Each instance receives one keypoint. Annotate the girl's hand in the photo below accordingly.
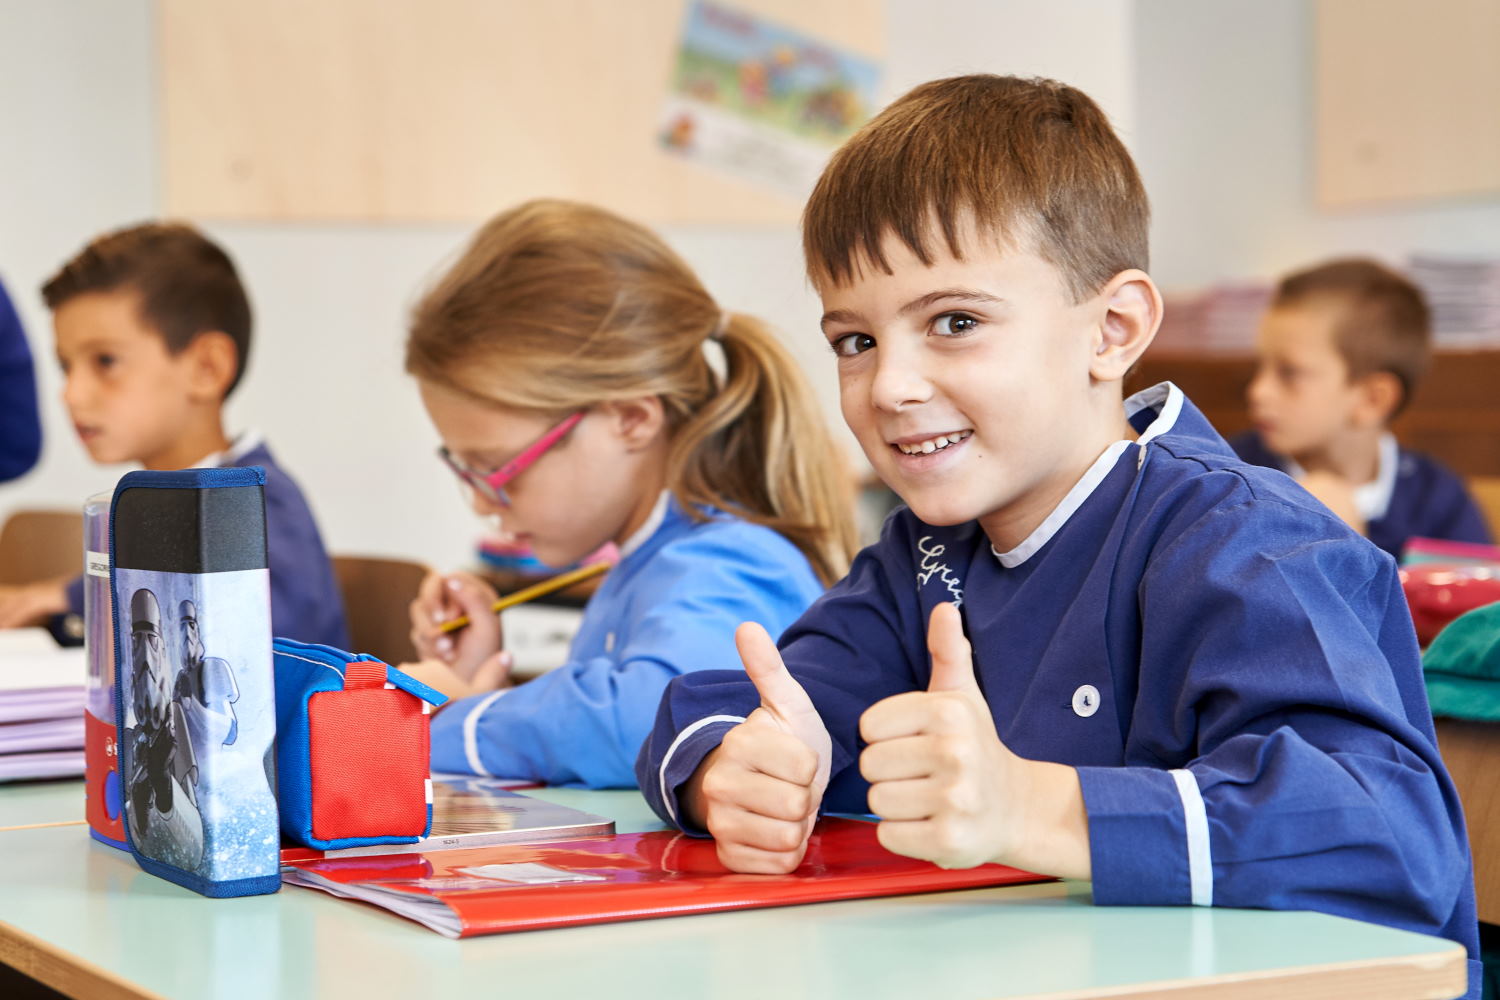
(443, 597)
(493, 673)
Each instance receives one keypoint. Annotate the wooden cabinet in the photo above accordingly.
(1455, 415)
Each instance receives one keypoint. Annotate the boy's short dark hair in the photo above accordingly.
(1034, 162)
(186, 282)
(1384, 325)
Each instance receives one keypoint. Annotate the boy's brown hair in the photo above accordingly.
(187, 284)
(1384, 324)
(1032, 162)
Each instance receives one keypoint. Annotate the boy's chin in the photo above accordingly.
(940, 513)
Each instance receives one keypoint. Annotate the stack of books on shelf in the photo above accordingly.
(1464, 295)
(1222, 319)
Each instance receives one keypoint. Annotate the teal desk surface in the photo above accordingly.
(84, 919)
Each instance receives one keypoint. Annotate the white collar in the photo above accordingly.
(653, 522)
(1371, 499)
(241, 446)
(1165, 397)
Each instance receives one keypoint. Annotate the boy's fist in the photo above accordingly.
(759, 792)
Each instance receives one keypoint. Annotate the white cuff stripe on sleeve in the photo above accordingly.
(471, 733)
(1195, 821)
(681, 738)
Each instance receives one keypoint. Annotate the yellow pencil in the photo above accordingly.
(532, 592)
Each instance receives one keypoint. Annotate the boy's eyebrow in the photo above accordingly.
(942, 294)
(917, 304)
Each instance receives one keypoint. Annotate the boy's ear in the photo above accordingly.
(1131, 311)
(1378, 395)
(212, 361)
(637, 422)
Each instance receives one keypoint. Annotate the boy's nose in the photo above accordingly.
(1258, 389)
(899, 383)
(74, 393)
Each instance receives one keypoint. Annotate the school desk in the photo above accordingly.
(83, 919)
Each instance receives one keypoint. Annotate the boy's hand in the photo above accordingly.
(948, 791)
(493, 673)
(32, 603)
(759, 792)
(442, 598)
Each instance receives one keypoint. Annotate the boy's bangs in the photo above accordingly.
(841, 246)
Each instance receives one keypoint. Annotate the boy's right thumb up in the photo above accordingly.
(952, 656)
(780, 694)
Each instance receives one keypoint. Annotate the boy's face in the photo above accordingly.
(128, 397)
(1302, 400)
(968, 383)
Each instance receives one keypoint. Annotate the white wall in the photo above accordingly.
(1225, 112)
(78, 156)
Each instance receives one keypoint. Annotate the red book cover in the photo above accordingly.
(633, 876)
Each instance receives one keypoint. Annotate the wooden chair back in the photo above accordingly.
(377, 593)
(1486, 492)
(1472, 752)
(41, 545)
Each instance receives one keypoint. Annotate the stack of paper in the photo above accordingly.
(1464, 295)
(41, 707)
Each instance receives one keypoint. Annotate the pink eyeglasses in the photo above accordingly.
(491, 485)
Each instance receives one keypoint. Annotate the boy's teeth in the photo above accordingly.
(932, 444)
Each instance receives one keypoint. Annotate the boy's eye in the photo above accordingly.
(105, 362)
(954, 324)
(851, 344)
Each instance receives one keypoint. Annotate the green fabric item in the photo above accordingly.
(1462, 666)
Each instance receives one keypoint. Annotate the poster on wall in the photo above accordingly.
(760, 101)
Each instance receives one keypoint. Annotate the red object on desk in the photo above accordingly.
(630, 876)
(1439, 592)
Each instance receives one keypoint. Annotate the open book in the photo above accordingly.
(632, 876)
(469, 811)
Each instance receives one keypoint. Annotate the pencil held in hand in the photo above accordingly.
(534, 591)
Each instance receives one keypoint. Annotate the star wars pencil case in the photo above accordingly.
(194, 710)
(352, 753)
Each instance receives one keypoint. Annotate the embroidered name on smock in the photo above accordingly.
(930, 567)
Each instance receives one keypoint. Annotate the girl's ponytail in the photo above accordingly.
(761, 449)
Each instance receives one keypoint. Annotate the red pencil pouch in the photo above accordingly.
(352, 753)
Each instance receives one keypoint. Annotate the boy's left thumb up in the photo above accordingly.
(952, 658)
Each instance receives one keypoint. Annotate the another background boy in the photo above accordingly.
(1342, 350)
(153, 332)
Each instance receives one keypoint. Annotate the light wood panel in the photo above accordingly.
(445, 109)
(1407, 98)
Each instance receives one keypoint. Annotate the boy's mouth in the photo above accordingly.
(86, 433)
(928, 445)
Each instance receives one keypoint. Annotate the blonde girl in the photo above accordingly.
(567, 362)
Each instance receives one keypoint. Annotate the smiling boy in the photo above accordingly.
(1094, 644)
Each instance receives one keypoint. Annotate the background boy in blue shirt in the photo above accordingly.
(1342, 349)
(153, 330)
(1094, 644)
